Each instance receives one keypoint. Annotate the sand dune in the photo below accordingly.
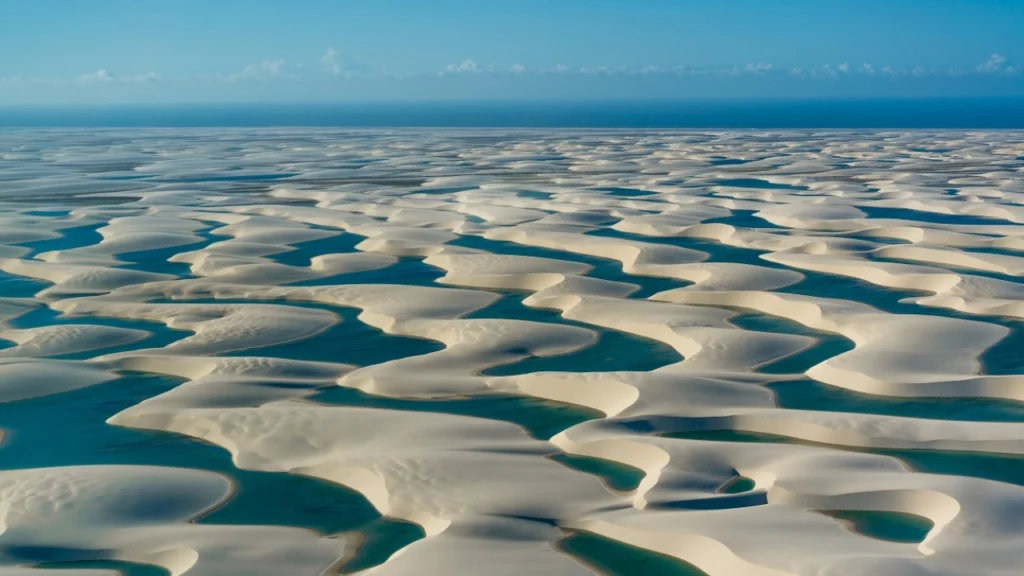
(778, 354)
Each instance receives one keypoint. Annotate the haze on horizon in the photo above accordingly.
(123, 51)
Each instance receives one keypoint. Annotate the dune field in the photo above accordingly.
(266, 352)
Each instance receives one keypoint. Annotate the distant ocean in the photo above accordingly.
(962, 113)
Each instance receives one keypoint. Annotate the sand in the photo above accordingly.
(414, 271)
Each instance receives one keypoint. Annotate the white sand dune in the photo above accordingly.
(140, 514)
(894, 355)
(21, 379)
(66, 339)
(540, 243)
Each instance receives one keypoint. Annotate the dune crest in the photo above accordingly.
(391, 352)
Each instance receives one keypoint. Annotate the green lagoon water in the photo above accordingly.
(330, 509)
(889, 526)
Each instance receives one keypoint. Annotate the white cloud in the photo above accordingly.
(758, 68)
(467, 67)
(102, 76)
(98, 77)
(995, 63)
(333, 62)
(147, 77)
(329, 61)
(826, 71)
(265, 70)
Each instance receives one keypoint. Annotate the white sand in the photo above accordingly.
(531, 205)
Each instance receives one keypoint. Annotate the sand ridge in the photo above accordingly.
(415, 270)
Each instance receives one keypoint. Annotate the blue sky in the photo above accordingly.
(109, 51)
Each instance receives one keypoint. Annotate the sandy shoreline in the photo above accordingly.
(216, 256)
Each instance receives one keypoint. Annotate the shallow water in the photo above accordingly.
(757, 183)
(71, 237)
(627, 192)
(930, 217)
(1001, 467)
(71, 428)
(889, 526)
(85, 438)
(618, 559)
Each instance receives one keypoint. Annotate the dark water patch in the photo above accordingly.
(401, 182)
(1002, 358)
(450, 190)
(869, 237)
(818, 284)
(303, 252)
(378, 541)
(602, 268)
(930, 217)
(515, 249)
(542, 419)
(882, 525)
(408, 271)
(929, 150)
(719, 502)
(231, 178)
(159, 334)
(737, 485)
(1006, 356)
(649, 285)
(721, 252)
(74, 237)
(615, 558)
(125, 177)
(808, 394)
(349, 341)
(999, 467)
(612, 351)
(278, 201)
(757, 183)
(534, 195)
(945, 113)
(47, 213)
(994, 250)
(14, 286)
(626, 192)
(615, 475)
(727, 162)
(743, 219)
(875, 256)
(86, 439)
(158, 260)
(828, 344)
(824, 285)
(72, 200)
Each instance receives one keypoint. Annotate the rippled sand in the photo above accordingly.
(307, 352)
